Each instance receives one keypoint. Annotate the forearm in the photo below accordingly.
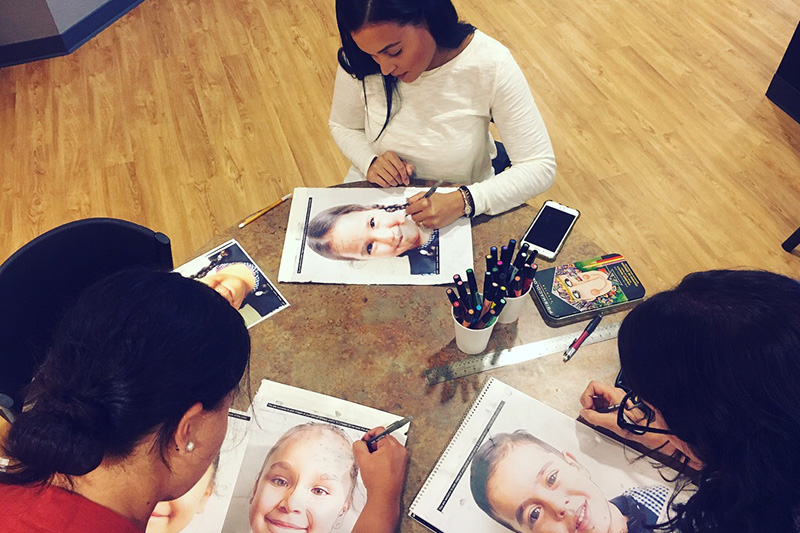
(514, 186)
(380, 515)
(354, 145)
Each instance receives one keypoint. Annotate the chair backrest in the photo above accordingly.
(44, 278)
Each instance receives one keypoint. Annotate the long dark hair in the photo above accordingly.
(719, 357)
(439, 16)
(133, 355)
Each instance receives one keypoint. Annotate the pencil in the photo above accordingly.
(261, 212)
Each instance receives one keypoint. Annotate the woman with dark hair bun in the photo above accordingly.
(415, 92)
(129, 408)
(711, 371)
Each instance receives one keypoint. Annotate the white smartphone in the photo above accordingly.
(550, 228)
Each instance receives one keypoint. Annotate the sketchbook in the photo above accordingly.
(295, 450)
(516, 461)
(364, 237)
(231, 271)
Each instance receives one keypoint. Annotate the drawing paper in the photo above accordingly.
(229, 260)
(363, 237)
(582, 466)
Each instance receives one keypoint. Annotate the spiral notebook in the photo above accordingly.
(513, 459)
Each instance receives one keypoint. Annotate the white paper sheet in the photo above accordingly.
(583, 464)
(361, 247)
(262, 302)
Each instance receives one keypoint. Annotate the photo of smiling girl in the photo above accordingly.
(366, 236)
(353, 232)
(173, 516)
(529, 486)
(306, 482)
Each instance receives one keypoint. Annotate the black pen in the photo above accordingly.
(371, 443)
(432, 189)
(569, 352)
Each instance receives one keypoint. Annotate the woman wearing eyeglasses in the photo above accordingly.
(712, 370)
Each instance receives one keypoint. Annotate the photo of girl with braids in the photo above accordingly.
(365, 236)
(230, 271)
(353, 232)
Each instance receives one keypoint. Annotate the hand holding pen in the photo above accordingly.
(383, 473)
(372, 441)
(435, 210)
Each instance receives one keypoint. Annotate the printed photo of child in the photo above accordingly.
(306, 482)
(353, 232)
(529, 486)
(229, 270)
(173, 516)
(365, 237)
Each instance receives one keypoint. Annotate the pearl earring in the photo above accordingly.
(189, 447)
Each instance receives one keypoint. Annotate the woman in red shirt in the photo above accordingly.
(129, 408)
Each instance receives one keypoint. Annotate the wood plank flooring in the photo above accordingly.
(186, 116)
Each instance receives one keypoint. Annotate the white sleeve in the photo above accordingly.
(347, 121)
(524, 135)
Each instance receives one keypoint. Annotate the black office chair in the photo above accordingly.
(792, 242)
(44, 278)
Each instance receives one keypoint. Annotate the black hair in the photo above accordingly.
(719, 357)
(484, 465)
(439, 16)
(134, 354)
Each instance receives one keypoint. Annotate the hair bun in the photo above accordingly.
(56, 441)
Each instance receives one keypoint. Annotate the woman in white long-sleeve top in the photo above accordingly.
(415, 92)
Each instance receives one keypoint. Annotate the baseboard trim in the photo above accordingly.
(70, 40)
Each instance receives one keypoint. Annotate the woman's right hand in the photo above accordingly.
(388, 170)
(384, 473)
(597, 395)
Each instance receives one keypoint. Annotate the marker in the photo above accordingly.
(570, 351)
(462, 291)
(478, 312)
(451, 295)
(516, 287)
(512, 244)
(528, 273)
(472, 283)
(469, 316)
(394, 426)
(498, 307)
(505, 255)
(487, 318)
(600, 404)
(458, 311)
(261, 212)
(490, 263)
(532, 257)
(432, 189)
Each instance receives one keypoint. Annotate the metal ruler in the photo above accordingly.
(517, 354)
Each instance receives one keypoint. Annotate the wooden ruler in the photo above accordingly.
(518, 354)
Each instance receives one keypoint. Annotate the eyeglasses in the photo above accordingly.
(632, 405)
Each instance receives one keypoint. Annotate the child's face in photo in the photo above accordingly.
(304, 486)
(374, 233)
(537, 491)
(175, 515)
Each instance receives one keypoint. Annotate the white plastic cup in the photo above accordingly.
(472, 341)
(513, 308)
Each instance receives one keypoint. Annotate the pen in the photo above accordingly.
(260, 212)
(432, 189)
(394, 426)
(569, 352)
(607, 409)
(472, 283)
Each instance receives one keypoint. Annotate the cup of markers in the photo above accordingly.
(506, 283)
(514, 275)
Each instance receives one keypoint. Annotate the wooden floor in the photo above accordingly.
(187, 115)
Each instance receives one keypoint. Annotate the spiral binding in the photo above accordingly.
(466, 418)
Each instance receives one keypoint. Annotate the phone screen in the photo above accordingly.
(549, 228)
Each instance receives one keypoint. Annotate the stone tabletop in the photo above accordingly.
(371, 344)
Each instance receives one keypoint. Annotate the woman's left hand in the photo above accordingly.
(436, 211)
